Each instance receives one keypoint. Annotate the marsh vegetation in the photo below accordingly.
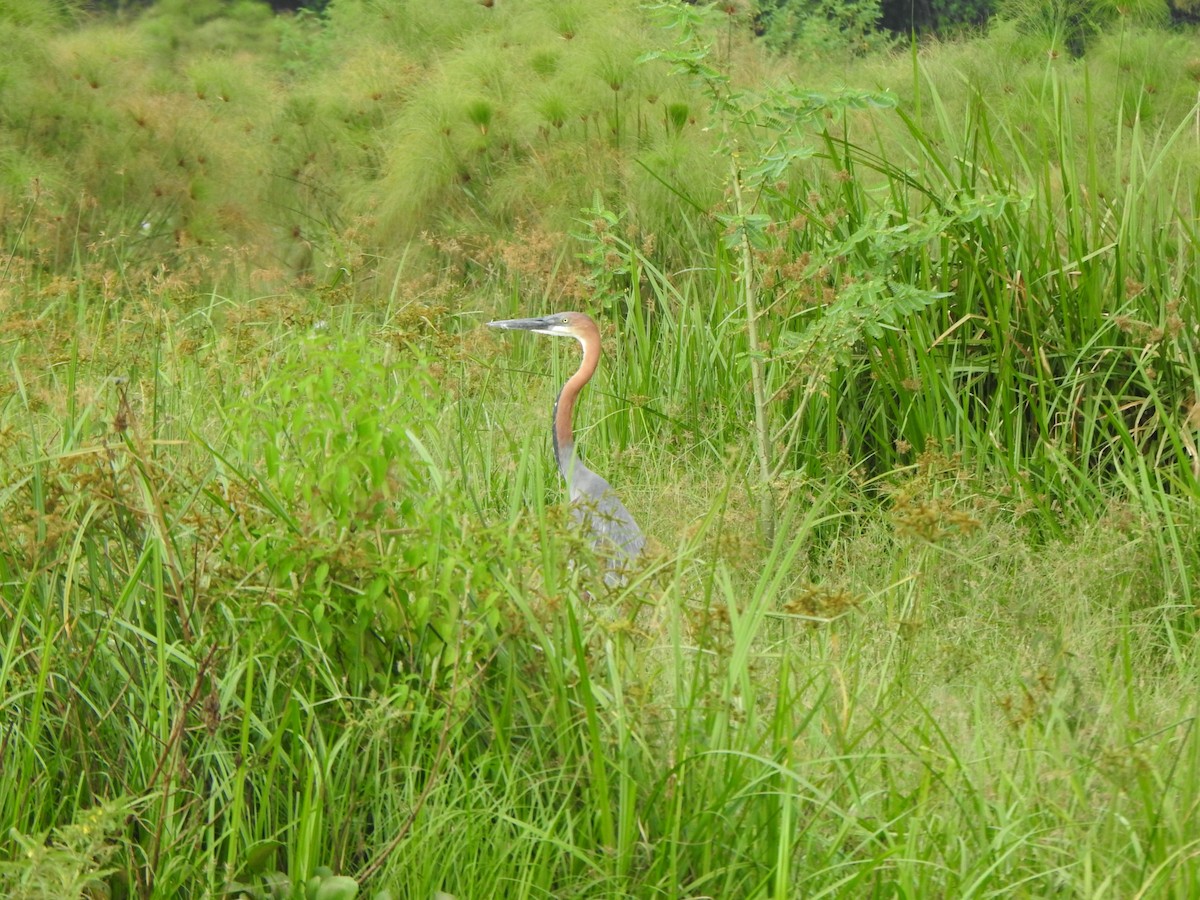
(901, 375)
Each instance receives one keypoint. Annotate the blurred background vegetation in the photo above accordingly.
(325, 141)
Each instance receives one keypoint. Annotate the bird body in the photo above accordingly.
(594, 504)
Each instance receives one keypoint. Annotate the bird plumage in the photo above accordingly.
(604, 518)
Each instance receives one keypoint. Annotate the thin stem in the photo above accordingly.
(757, 380)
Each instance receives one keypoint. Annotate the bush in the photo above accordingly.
(337, 504)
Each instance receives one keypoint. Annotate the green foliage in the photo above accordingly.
(289, 601)
(210, 26)
(345, 509)
(118, 162)
(1071, 24)
(158, 145)
(228, 142)
(823, 27)
(741, 713)
(39, 16)
(70, 862)
(528, 107)
(817, 231)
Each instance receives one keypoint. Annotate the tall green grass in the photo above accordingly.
(925, 277)
(906, 690)
(290, 598)
(912, 700)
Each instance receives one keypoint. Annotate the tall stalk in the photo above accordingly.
(762, 433)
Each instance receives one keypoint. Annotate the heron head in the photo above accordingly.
(564, 324)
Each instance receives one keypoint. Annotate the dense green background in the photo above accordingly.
(901, 377)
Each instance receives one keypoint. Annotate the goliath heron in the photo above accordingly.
(594, 504)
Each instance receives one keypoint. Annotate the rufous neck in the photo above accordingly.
(564, 406)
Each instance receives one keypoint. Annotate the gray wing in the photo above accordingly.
(605, 519)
